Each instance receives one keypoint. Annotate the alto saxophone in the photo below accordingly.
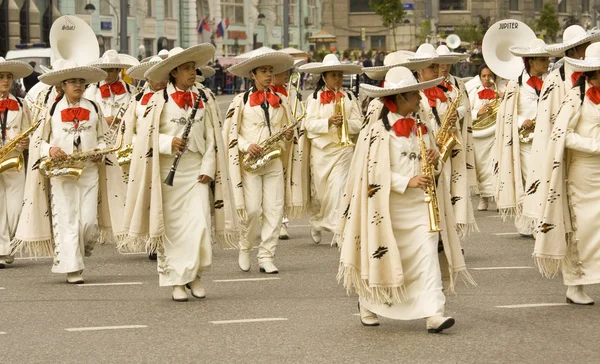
(427, 170)
(270, 147)
(72, 165)
(446, 138)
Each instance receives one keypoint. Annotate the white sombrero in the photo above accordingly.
(162, 54)
(66, 69)
(278, 60)
(572, 37)
(112, 59)
(398, 80)
(591, 61)
(137, 72)
(536, 48)
(206, 71)
(445, 53)
(331, 63)
(199, 54)
(18, 69)
(397, 59)
(427, 51)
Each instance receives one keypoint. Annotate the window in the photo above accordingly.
(354, 42)
(104, 7)
(562, 7)
(360, 6)
(585, 6)
(513, 5)
(293, 12)
(312, 12)
(203, 9)
(453, 5)
(24, 22)
(168, 4)
(80, 7)
(234, 10)
(149, 46)
(47, 24)
(378, 42)
(537, 5)
(150, 8)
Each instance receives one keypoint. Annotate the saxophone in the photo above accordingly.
(270, 147)
(18, 161)
(427, 170)
(72, 165)
(446, 138)
(489, 118)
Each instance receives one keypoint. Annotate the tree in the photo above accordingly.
(391, 13)
(424, 31)
(469, 32)
(548, 23)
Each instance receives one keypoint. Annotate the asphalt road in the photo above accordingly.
(301, 315)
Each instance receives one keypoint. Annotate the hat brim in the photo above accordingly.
(379, 72)
(446, 59)
(345, 68)
(525, 52)
(18, 69)
(207, 72)
(163, 56)
(137, 72)
(279, 61)
(375, 91)
(88, 73)
(559, 49)
(199, 54)
(583, 65)
(111, 65)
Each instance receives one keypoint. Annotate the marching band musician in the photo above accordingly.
(252, 118)
(483, 99)
(173, 218)
(567, 236)
(82, 210)
(517, 114)
(111, 93)
(394, 267)
(14, 120)
(329, 158)
(438, 100)
(556, 85)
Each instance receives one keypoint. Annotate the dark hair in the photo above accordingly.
(526, 61)
(320, 85)
(483, 67)
(583, 78)
(32, 64)
(171, 78)
(385, 111)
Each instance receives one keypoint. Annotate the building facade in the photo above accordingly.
(356, 26)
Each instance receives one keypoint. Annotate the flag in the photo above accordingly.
(220, 30)
(203, 25)
(200, 26)
(226, 23)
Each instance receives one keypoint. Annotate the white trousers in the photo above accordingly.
(521, 223)
(12, 188)
(74, 219)
(263, 197)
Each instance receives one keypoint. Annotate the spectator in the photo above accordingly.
(32, 79)
(367, 63)
(219, 77)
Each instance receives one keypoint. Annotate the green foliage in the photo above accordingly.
(548, 24)
(424, 31)
(469, 32)
(391, 11)
(319, 54)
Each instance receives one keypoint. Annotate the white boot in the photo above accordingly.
(315, 235)
(437, 324)
(283, 233)
(244, 261)
(576, 296)
(179, 294)
(268, 267)
(197, 288)
(74, 278)
(484, 203)
(367, 318)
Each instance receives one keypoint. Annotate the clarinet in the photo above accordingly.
(186, 134)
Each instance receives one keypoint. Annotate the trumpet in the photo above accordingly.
(343, 134)
(294, 84)
(526, 134)
(489, 118)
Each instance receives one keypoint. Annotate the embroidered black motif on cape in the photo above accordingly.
(455, 199)
(149, 154)
(380, 252)
(470, 166)
(373, 189)
(233, 143)
(219, 204)
(533, 188)
(545, 227)
(229, 113)
(148, 108)
(455, 152)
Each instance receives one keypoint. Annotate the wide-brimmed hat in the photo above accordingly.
(331, 63)
(112, 59)
(572, 37)
(445, 53)
(18, 69)
(428, 51)
(164, 53)
(199, 54)
(396, 59)
(137, 72)
(591, 61)
(278, 60)
(206, 72)
(398, 80)
(63, 69)
(536, 48)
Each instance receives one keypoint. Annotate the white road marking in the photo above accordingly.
(500, 234)
(299, 226)
(2, 333)
(499, 268)
(248, 320)
(495, 216)
(31, 258)
(2, 288)
(138, 253)
(110, 284)
(531, 305)
(245, 280)
(99, 328)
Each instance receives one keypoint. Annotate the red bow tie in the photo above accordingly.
(328, 97)
(257, 98)
(446, 85)
(75, 115)
(536, 83)
(9, 104)
(486, 94)
(404, 126)
(593, 93)
(279, 89)
(433, 94)
(116, 88)
(182, 99)
(146, 98)
(575, 76)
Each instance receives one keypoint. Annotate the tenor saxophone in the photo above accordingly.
(446, 138)
(427, 170)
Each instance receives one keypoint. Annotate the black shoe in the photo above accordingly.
(152, 256)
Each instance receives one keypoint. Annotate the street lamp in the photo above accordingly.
(121, 30)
